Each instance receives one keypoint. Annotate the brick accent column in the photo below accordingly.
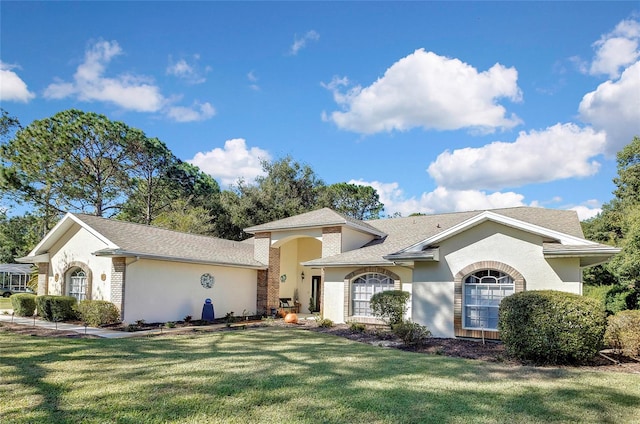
(118, 279)
(331, 241)
(273, 279)
(262, 298)
(43, 278)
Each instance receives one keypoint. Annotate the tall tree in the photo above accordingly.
(357, 201)
(8, 125)
(150, 190)
(74, 160)
(288, 188)
(619, 224)
(18, 235)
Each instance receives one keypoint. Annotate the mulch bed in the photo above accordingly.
(490, 351)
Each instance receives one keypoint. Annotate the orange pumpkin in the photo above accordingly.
(291, 318)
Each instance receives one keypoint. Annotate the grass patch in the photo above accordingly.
(273, 374)
(5, 303)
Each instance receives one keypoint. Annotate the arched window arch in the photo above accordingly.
(482, 293)
(363, 287)
(78, 284)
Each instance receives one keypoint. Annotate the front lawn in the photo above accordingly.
(279, 375)
(5, 303)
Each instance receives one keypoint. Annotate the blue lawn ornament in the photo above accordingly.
(207, 310)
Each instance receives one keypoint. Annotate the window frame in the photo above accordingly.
(485, 283)
(382, 283)
(78, 284)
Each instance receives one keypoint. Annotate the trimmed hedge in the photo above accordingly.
(24, 304)
(56, 308)
(390, 306)
(551, 327)
(411, 333)
(98, 312)
(623, 333)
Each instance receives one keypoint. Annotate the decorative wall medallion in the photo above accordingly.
(103, 276)
(56, 277)
(207, 281)
(283, 278)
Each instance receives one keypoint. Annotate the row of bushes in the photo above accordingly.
(614, 298)
(65, 308)
(555, 327)
(545, 326)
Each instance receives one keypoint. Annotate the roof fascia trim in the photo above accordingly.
(127, 254)
(500, 219)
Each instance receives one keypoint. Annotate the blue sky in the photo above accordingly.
(441, 106)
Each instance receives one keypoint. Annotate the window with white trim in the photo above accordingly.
(483, 292)
(78, 284)
(365, 286)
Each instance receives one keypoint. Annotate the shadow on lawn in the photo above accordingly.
(274, 375)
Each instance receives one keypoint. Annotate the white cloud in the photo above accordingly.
(12, 87)
(441, 200)
(617, 49)
(232, 162)
(558, 152)
(586, 211)
(198, 112)
(90, 84)
(300, 42)
(615, 108)
(253, 79)
(191, 73)
(429, 91)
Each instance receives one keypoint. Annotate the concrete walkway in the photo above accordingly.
(81, 329)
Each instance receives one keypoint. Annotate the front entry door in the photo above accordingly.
(315, 292)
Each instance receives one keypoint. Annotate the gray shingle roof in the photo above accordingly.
(324, 217)
(147, 241)
(405, 232)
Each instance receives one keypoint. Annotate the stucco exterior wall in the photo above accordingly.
(433, 287)
(76, 247)
(354, 239)
(160, 291)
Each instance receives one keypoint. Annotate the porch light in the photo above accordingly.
(302, 275)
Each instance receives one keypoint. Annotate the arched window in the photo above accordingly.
(483, 292)
(365, 286)
(78, 284)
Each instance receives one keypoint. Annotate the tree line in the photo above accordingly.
(76, 161)
(79, 161)
(619, 225)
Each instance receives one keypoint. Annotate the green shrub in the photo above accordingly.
(623, 332)
(620, 298)
(598, 293)
(23, 304)
(390, 306)
(56, 308)
(411, 333)
(357, 327)
(551, 327)
(98, 312)
(325, 323)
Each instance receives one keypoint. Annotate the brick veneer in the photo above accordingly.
(331, 241)
(268, 284)
(519, 283)
(118, 279)
(43, 278)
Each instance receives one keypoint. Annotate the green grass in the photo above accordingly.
(275, 375)
(5, 303)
